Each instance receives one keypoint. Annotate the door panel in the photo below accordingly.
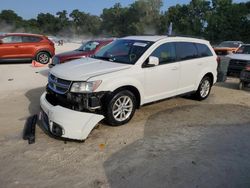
(187, 54)
(161, 81)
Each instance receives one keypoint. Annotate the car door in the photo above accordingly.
(10, 48)
(29, 45)
(187, 55)
(162, 81)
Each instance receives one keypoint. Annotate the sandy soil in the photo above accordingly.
(178, 142)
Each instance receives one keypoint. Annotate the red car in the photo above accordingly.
(24, 47)
(86, 49)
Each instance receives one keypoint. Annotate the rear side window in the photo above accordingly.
(203, 50)
(31, 39)
(186, 50)
(12, 39)
(165, 53)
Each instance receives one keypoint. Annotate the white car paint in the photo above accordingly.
(75, 125)
(153, 83)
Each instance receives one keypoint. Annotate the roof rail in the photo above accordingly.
(190, 36)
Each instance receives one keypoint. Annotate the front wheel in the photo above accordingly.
(121, 108)
(204, 88)
(43, 57)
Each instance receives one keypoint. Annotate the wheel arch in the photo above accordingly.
(43, 50)
(133, 90)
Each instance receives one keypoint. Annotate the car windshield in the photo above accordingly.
(123, 51)
(245, 49)
(88, 46)
(230, 44)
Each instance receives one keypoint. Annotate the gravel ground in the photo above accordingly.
(177, 142)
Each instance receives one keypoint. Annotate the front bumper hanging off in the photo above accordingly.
(67, 123)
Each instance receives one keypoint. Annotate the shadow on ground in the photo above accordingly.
(33, 96)
(188, 146)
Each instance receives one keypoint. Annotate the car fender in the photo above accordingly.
(114, 84)
(203, 73)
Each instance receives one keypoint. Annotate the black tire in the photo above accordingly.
(43, 57)
(112, 107)
(202, 94)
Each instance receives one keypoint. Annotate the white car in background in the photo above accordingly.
(123, 76)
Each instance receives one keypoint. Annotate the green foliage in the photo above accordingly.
(215, 20)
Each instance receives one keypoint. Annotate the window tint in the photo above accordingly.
(203, 50)
(165, 53)
(12, 39)
(31, 39)
(186, 50)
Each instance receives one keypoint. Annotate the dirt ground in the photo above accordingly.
(177, 142)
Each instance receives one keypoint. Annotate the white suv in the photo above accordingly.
(123, 76)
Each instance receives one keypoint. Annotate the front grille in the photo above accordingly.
(58, 85)
(236, 66)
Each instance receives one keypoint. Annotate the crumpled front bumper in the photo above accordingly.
(67, 123)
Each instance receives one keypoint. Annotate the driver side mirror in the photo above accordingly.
(153, 61)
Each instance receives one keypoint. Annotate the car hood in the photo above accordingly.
(72, 53)
(83, 69)
(240, 56)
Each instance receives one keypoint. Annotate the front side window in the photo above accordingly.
(186, 51)
(12, 39)
(165, 53)
(89, 46)
(123, 51)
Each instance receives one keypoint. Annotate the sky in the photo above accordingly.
(30, 8)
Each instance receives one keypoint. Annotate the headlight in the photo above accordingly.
(85, 87)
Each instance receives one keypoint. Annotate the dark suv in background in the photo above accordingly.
(86, 49)
(15, 47)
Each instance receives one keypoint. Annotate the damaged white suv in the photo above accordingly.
(123, 76)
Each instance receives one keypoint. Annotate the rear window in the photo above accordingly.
(186, 50)
(31, 39)
(203, 50)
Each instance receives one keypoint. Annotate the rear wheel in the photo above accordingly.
(204, 88)
(121, 108)
(43, 57)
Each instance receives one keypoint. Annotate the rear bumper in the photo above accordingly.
(67, 123)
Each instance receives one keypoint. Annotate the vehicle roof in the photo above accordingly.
(155, 38)
(22, 34)
(232, 41)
